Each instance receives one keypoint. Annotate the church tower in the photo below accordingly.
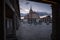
(30, 10)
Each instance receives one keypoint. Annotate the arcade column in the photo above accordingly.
(55, 20)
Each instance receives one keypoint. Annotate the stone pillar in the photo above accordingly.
(2, 20)
(55, 20)
(14, 23)
(15, 16)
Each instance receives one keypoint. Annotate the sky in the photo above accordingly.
(37, 7)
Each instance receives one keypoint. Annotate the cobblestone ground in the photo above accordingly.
(34, 32)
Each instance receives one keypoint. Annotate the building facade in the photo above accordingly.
(12, 17)
(32, 16)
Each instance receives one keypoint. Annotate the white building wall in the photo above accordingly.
(37, 20)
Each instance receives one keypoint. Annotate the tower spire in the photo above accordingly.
(30, 9)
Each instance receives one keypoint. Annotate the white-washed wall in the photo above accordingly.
(37, 20)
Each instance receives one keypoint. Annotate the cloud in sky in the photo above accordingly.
(38, 7)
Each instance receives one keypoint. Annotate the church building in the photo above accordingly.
(32, 16)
